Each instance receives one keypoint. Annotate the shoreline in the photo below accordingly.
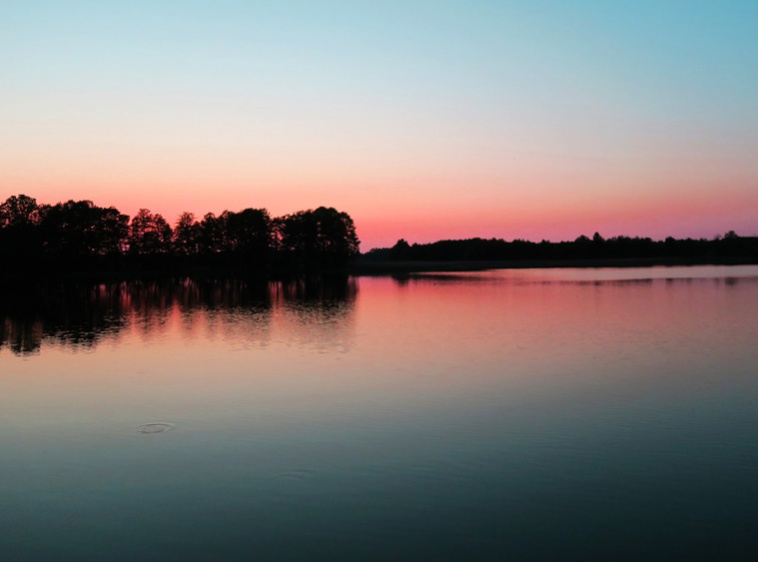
(378, 268)
(359, 268)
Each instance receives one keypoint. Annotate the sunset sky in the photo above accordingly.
(421, 119)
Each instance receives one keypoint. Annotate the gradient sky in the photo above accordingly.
(421, 119)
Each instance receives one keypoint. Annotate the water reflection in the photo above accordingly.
(481, 416)
(729, 275)
(82, 315)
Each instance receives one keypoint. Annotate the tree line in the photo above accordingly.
(727, 248)
(79, 235)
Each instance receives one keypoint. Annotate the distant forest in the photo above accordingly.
(729, 248)
(79, 236)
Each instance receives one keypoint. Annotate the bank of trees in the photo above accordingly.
(725, 248)
(82, 235)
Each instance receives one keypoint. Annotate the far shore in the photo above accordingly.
(368, 268)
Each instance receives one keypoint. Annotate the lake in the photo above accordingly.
(556, 414)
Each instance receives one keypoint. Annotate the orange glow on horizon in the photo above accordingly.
(430, 210)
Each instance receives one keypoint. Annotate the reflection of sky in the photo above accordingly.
(424, 354)
(432, 327)
(420, 340)
(440, 403)
(422, 120)
(598, 275)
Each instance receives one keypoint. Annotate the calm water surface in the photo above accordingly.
(595, 414)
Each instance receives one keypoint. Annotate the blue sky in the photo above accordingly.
(513, 119)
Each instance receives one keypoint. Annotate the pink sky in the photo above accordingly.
(556, 202)
(422, 123)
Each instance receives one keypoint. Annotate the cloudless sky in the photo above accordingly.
(421, 119)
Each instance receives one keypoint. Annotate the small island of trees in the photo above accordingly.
(80, 236)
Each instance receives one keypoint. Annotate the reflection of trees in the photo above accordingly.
(72, 314)
(22, 338)
(80, 315)
(317, 315)
(315, 292)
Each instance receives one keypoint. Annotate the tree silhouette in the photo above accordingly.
(187, 235)
(401, 250)
(211, 235)
(248, 234)
(321, 238)
(19, 235)
(19, 211)
(149, 234)
(79, 235)
(79, 228)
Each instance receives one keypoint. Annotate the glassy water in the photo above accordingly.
(606, 414)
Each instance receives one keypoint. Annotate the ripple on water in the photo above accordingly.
(157, 427)
(297, 474)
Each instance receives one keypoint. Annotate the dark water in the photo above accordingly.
(528, 415)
